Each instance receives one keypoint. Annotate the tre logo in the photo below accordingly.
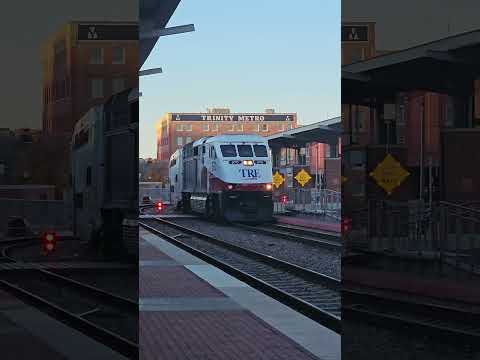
(249, 173)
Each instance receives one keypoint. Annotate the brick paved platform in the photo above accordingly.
(26, 333)
(309, 221)
(192, 310)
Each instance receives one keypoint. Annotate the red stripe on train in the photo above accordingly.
(218, 185)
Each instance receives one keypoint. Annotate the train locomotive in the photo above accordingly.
(224, 177)
(104, 171)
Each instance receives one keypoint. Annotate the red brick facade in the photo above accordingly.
(73, 62)
(170, 130)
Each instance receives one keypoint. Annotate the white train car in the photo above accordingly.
(224, 177)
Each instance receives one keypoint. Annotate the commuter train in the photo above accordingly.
(224, 177)
(104, 169)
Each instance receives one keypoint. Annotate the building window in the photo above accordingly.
(264, 127)
(118, 55)
(96, 56)
(179, 141)
(118, 85)
(239, 127)
(205, 127)
(230, 127)
(96, 88)
(214, 127)
(178, 127)
(187, 127)
(189, 140)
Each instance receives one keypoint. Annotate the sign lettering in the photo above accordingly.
(97, 32)
(389, 174)
(249, 173)
(232, 117)
(355, 33)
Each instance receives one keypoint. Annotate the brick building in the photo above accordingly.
(409, 124)
(84, 63)
(176, 129)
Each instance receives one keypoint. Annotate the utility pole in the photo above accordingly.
(422, 143)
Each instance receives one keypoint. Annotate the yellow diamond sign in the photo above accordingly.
(277, 179)
(302, 177)
(389, 174)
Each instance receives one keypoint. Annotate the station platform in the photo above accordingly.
(317, 222)
(26, 333)
(192, 310)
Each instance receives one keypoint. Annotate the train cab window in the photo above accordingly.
(228, 150)
(173, 162)
(260, 150)
(245, 150)
(213, 154)
(195, 151)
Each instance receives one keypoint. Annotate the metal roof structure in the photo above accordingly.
(327, 131)
(447, 66)
(154, 15)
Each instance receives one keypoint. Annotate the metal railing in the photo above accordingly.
(40, 214)
(446, 232)
(312, 201)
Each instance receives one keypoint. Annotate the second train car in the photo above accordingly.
(225, 177)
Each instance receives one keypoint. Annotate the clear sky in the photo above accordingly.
(246, 55)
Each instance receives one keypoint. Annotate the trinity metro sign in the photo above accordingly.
(232, 117)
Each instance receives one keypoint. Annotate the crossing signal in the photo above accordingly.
(346, 225)
(49, 241)
(283, 198)
(160, 206)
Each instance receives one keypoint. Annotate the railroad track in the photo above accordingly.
(322, 239)
(426, 316)
(96, 313)
(311, 293)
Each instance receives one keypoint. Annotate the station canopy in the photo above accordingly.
(447, 66)
(154, 15)
(327, 132)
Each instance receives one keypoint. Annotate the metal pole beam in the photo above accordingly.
(167, 31)
(150, 71)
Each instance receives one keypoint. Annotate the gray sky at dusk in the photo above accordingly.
(24, 26)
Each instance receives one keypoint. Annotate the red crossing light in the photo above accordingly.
(283, 198)
(346, 225)
(160, 206)
(49, 241)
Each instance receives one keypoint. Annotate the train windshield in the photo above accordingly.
(260, 150)
(245, 150)
(228, 150)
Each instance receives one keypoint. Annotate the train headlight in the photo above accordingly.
(248, 162)
(268, 187)
(229, 186)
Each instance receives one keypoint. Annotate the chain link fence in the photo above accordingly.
(446, 232)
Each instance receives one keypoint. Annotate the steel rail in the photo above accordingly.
(114, 341)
